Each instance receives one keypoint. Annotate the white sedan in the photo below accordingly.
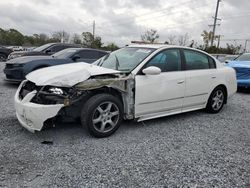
(138, 82)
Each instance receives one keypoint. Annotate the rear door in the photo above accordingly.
(162, 94)
(201, 78)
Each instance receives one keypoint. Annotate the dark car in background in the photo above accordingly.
(16, 69)
(4, 53)
(46, 49)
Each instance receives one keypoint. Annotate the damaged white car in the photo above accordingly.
(137, 82)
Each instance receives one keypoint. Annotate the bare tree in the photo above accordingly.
(63, 36)
(183, 39)
(76, 39)
(150, 36)
(172, 39)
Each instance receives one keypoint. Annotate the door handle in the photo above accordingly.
(180, 82)
(213, 77)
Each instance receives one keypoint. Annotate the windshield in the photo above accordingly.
(125, 59)
(64, 53)
(43, 47)
(243, 57)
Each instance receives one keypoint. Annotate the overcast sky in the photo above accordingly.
(121, 21)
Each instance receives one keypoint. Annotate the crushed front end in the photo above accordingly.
(42, 106)
(35, 105)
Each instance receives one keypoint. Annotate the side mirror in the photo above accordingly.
(47, 51)
(152, 70)
(76, 57)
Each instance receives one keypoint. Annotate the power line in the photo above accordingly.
(123, 21)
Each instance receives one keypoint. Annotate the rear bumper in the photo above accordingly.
(30, 115)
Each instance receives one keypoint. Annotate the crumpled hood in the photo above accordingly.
(26, 59)
(239, 64)
(67, 75)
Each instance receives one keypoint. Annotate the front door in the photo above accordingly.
(162, 94)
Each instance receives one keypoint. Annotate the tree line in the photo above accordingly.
(12, 37)
(151, 36)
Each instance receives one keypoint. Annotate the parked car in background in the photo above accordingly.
(242, 67)
(220, 57)
(224, 57)
(46, 50)
(138, 82)
(16, 69)
(229, 58)
(16, 48)
(4, 53)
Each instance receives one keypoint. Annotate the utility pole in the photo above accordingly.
(215, 21)
(245, 48)
(218, 44)
(93, 29)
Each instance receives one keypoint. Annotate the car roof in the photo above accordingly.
(91, 49)
(154, 46)
(158, 46)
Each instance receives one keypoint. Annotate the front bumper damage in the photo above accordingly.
(36, 107)
(31, 115)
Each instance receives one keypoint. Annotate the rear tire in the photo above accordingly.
(216, 100)
(102, 115)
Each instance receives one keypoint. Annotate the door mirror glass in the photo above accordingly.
(152, 70)
(76, 57)
(48, 51)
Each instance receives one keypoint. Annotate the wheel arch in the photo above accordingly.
(109, 90)
(224, 88)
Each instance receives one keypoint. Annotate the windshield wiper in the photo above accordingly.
(117, 63)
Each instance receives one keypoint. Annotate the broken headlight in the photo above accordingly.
(57, 91)
(56, 95)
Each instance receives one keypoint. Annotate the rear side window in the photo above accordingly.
(211, 63)
(196, 60)
(88, 54)
(56, 48)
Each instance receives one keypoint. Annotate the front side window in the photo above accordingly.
(125, 59)
(167, 60)
(196, 60)
(66, 53)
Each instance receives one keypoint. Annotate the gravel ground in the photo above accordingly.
(189, 150)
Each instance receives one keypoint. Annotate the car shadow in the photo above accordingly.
(10, 85)
(64, 131)
(243, 90)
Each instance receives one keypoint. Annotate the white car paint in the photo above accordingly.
(155, 95)
(31, 115)
(76, 72)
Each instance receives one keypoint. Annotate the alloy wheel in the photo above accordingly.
(217, 100)
(105, 117)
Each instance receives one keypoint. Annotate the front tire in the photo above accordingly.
(3, 57)
(216, 100)
(102, 115)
